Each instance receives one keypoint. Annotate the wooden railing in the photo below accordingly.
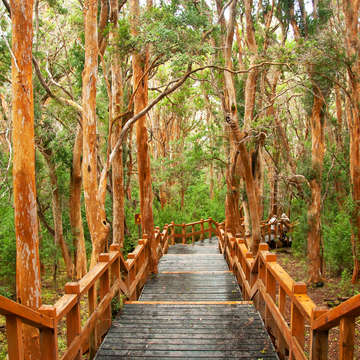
(113, 276)
(184, 234)
(299, 327)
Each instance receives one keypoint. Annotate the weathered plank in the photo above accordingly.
(191, 309)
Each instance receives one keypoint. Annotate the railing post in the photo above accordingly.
(202, 229)
(297, 319)
(270, 284)
(210, 227)
(193, 236)
(183, 234)
(347, 338)
(48, 337)
(73, 324)
(165, 239)
(105, 317)
(172, 233)
(115, 267)
(14, 338)
(319, 339)
(153, 255)
(93, 340)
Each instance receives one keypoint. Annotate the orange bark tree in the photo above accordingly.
(140, 63)
(93, 191)
(351, 11)
(28, 282)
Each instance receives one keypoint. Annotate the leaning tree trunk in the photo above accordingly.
(314, 209)
(76, 224)
(28, 281)
(94, 199)
(117, 163)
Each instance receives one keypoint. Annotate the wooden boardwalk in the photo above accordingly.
(191, 309)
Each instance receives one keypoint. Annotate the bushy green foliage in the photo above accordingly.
(7, 248)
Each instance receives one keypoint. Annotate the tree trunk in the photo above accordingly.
(232, 211)
(140, 82)
(57, 216)
(76, 224)
(351, 12)
(28, 281)
(117, 163)
(314, 209)
(94, 196)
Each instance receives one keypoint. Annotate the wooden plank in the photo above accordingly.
(197, 272)
(189, 302)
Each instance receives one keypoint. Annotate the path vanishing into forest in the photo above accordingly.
(191, 309)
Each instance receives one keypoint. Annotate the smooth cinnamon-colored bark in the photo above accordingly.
(351, 12)
(116, 108)
(314, 209)
(76, 223)
(94, 195)
(232, 211)
(140, 63)
(28, 281)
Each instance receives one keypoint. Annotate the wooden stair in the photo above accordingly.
(191, 309)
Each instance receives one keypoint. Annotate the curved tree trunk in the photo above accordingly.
(76, 224)
(117, 163)
(140, 82)
(28, 281)
(94, 196)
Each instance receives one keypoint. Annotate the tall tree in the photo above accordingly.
(94, 192)
(351, 11)
(28, 282)
(140, 63)
(115, 111)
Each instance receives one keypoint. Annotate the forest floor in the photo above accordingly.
(336, 289)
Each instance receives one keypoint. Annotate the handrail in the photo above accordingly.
(275, 294)
(25, 313)
(110, 277)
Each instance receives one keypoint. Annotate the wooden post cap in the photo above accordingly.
(115, 247)
(249, 255)
(263, 247)
(72, 288)
(145, 236)
(270, 257)
(104, 257)
(299, 288)
(141, 242)
(240, 241)
(131, 256)
(318, 311)
(238, 235)
(48, 310)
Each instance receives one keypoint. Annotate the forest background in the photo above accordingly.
(285, 72)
